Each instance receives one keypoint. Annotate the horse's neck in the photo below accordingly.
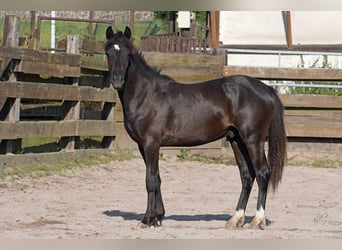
(137, 87)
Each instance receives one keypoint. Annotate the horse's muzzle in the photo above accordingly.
(118, 81)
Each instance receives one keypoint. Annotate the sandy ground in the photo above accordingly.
(108, 201)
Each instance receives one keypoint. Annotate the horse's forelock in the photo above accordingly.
(119, 38)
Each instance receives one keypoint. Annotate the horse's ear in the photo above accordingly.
(127, 32)
(109, 32)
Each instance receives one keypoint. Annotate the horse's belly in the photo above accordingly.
(193, 134)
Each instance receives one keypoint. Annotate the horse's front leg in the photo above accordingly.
(155, 209)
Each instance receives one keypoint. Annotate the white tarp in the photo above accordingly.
(267, 27)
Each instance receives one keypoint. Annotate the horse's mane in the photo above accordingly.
(140, 59)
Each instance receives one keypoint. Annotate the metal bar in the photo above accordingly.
(280, 52)
(304, 85)
(74, 20)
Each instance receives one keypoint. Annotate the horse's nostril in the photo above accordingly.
(117, 78)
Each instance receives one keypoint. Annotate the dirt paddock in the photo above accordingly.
(108, 201)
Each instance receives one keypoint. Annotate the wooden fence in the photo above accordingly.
(69, 82)
(173, 43)
(66, 96)
(52, 95)
(311, 116)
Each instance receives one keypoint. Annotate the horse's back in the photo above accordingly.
(251, 84)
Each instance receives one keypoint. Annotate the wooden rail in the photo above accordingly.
(62, 127)
(48, 91)
(63, 76)
(173, 43)
(312, 116)
(285, 73)
(59, 77)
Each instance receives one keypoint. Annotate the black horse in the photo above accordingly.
(158, 112)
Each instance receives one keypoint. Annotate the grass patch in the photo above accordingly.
(63, 28)
(326, 164)
(186, 155)
(321, 163)
(41, 169)
(123, 154)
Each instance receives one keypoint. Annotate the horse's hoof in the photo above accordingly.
(237, 221)
(255, 224)
(232, 225)
(140, 225)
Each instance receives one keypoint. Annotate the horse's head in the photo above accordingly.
(118, 49)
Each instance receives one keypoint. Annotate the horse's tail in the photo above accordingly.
(277, 140)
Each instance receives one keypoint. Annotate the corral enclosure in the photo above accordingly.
(64, 97)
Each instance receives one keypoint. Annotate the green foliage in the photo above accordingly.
(41, 169)
(185, 155)
(322, 63)
(63, 28)
(326, 163)
(159, 25)
(164, 15)
(44, 169)
(323, 163)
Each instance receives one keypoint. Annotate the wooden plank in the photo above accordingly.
(301, 126)
(94, 64)
(319, 128)
(312, 101)
(288, 29)
(214, 29)
(186, 67)
(47, 91)
(16, 160)
(26, 54)
(70, 110)
(31, 129)
(49, 69)
(285, 73)
(323, 113)
(88, 45)
(93, 46)
(12, 114)
(181, 67)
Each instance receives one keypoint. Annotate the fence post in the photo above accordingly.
(108, 115)
(10, 108)
(71, 109)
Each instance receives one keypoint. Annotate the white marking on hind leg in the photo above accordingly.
(259, 220)
(237, 220)
(260, 213)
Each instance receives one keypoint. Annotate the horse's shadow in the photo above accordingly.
(196, 217)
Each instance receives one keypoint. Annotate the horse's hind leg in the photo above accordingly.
(247, 175)
(262, 177)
